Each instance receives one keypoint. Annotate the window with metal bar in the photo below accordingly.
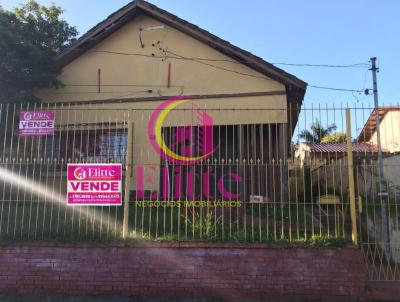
(238, 164)
(88, 145)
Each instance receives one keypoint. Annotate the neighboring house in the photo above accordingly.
(317, 153)
(389, 118)
(322, 159)
(324, 166)
(389, 126)
(125, 67)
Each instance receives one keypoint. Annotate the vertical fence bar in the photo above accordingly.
(354, 235)
(128, 173)
(288, 212)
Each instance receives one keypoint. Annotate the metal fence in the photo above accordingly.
(310, 178)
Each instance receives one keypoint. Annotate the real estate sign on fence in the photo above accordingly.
(94, 184)
(36, 123)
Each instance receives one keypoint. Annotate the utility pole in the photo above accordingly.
(382, 185)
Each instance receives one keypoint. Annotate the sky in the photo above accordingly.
(339, 32)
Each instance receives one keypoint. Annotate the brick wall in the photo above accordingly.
(183, 270)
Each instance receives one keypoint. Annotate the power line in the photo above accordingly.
(201, 61)
(181, 86)
(96, 92)
(217, 67)
(312, 86)
(356, 65)
(180, 57)
(334, 88)
(120, 85)
(127, 54)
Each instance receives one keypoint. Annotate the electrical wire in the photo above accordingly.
(180, 57)
(334, 88)
(127, 54)
(356, 65)
(216, 67)
(311, 86)
(358, 98)
(96, 92)
(120, 85)
(181, 86)
(201, 61)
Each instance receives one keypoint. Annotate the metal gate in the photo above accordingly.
(254, 187)
(377, 196)
(379, 213)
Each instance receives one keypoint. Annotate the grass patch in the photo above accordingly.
(39, 221)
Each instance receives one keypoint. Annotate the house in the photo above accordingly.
(325, 153)
(327, 161)
(389, 118)
(324, 167)
(389, 125)
(188, 98)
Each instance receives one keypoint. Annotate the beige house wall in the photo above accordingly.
(137, 72)
(139, 114)
(120, 114)
(188, 77)
(390, 132)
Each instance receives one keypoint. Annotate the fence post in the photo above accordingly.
(354, 235)
(128, 173)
